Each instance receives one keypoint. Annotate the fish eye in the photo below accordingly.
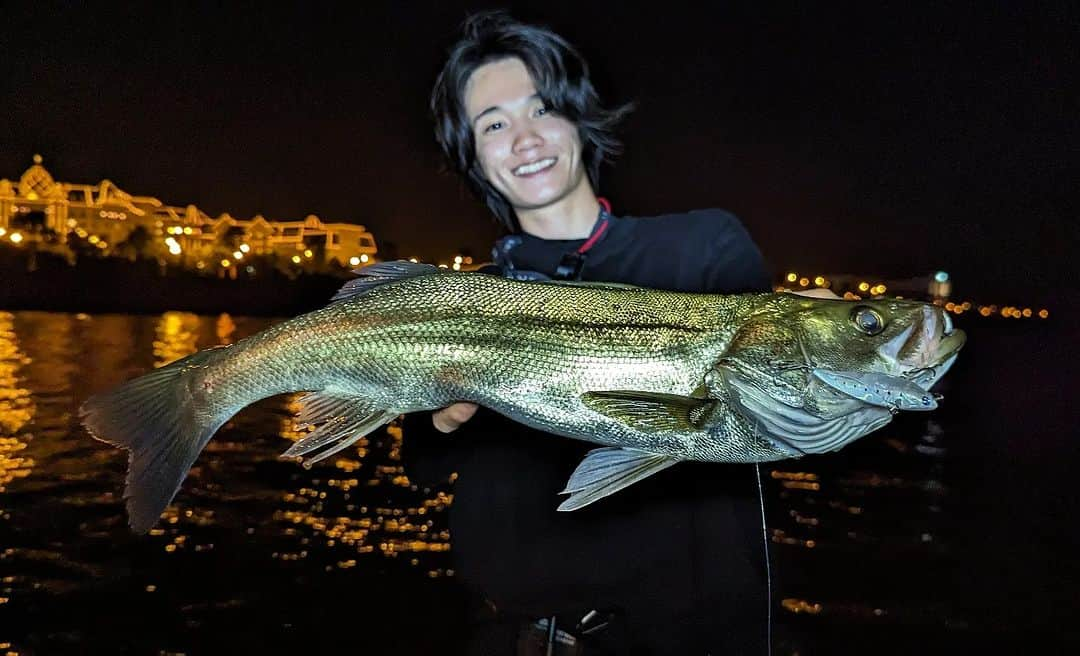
(867, 320)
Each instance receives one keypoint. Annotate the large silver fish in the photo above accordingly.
(655, 377)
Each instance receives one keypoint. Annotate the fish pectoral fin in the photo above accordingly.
(606, 471)
(341, 420)
(650, 411)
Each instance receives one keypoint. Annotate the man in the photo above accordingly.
(674, 564)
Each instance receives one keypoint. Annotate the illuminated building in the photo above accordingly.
(39, 209)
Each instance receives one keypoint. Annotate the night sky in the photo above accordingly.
(882, 141)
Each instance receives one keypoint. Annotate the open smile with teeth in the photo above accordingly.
(535, 167)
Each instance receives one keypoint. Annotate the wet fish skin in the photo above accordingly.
(658, 377)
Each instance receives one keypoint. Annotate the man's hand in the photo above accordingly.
(451, 417)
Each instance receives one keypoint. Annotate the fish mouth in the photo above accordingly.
(924, 351)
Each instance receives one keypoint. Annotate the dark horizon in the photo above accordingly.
(889, 142)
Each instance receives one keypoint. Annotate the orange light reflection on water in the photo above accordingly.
(16, 406)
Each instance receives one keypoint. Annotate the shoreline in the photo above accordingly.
(103, 286)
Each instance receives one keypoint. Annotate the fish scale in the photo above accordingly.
(654, 376)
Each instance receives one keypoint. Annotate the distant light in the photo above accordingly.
(171, 241)
(16, 237)
(102, 245)
(468, 260)
(364, 257)
(200, 265)
(941, 276)
(249, 269)
(819, 281)
(296, 259)
(443, 266)
(1027, 313)
(307, 252)
(883, 289)
(244, 248)
(1043, 314)
(93, 239)
(71, 223)
(413, 260)
(457, 266)
(81, 233)
(174, 249)
(354, 261)
(792, 277)
(864, 286)
(457, 259)
(238, 255)
(804, 282)
(225, 263)
(3, 232)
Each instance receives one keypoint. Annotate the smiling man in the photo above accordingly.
(677, 566)
(529, 153)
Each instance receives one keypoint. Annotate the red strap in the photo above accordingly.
(592, 240)
(599, 229)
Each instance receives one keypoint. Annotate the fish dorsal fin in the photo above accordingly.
(341, 420)
(651, 411)
(594, 285)
(606, 471)
(374, 275)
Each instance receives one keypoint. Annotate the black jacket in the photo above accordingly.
(677, 557)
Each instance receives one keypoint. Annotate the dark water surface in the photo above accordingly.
(948, 532)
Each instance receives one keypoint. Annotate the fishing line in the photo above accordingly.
(768, 567)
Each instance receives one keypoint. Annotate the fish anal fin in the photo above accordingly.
(605, 471)
(341, 420)
(651, 411)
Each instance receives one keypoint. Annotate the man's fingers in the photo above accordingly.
(451, 417)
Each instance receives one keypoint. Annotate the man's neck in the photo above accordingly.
(571, 218)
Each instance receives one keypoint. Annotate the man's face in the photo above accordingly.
(529, 154)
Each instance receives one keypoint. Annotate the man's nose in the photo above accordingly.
(526, 138)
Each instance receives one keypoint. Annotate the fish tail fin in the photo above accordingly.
(162, 426)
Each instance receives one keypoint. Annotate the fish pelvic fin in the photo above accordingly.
(163, 427)
(342, 420)
(650, 411)
(606, 471)
(374, 275)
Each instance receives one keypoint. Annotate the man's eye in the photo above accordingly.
(497, 125)
(540, 111)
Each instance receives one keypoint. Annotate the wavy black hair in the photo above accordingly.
(562, 81)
